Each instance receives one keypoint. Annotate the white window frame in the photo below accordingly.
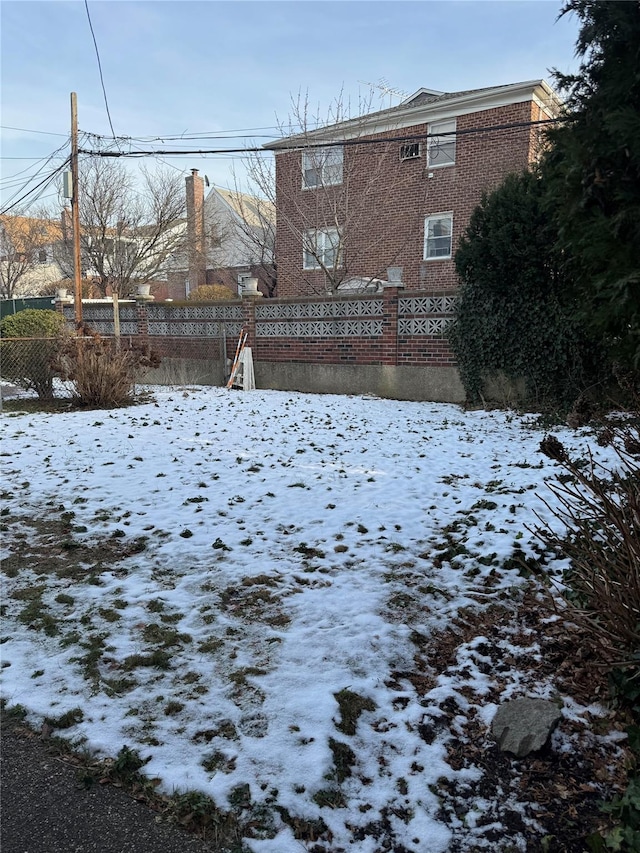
(432, 219)
(322, 167)
(317, 242)
(436, 144)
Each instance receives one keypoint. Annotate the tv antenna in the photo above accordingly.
(383, 86)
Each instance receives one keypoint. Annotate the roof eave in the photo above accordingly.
(398, 117)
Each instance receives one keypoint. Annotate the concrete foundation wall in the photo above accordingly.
(435, 384)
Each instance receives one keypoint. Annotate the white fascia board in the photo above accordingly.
(537, 91)
(421, 92)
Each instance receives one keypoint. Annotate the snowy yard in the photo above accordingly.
(249, 590)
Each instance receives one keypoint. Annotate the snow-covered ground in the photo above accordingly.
(284, 552)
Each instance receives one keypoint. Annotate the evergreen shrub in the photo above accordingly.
(31, 341)
(511, 317)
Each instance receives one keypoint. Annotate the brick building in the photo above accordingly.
(397, 187)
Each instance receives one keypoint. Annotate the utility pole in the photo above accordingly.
(75, 214)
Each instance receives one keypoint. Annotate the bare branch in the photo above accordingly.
(330, 199)
(129, 233)
(27, 263)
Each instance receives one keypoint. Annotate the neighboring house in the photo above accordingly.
(396, 188)
(28, 252)
(242, 230)
(230, 238)
(125, 256)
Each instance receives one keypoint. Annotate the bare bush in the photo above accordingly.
(100, 375)
(211, 292)
(600, 508)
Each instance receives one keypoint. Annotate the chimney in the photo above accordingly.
(67, 225)
(196, 250)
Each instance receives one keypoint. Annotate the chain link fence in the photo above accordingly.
(88, 369)
(29, 364)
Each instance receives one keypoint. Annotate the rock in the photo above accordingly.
(524, 725)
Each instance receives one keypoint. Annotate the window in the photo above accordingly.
(321, 248)
(442, 149)
(437, 236)
(322, 167)
(410, 151)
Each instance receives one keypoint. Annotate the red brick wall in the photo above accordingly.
(383, 201)
(181, 347)
(386, 347)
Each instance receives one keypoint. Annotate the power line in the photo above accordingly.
(33, 159)
(186, 137)
(27, 130)
(21, 183)
(231, 133)
(248, 132)
(166, 163)
(310, 144)
(104, 91)
(44, 183)
(44, 160)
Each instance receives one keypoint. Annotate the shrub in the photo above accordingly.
(600, 508)
(512, 318)
(99, 374)
(31, 341)
(210, 292)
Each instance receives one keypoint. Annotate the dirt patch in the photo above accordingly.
(549, 799)
(57, 546)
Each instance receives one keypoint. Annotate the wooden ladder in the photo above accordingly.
(237, 360)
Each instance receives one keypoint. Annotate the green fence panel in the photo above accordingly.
(12, 306)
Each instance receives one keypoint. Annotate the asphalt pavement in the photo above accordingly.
(44, 809)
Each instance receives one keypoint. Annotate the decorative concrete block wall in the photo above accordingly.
(391, 343)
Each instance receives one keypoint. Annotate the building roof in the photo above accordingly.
(255, 211)
(427, 105)
(27, 232)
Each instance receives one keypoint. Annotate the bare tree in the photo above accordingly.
(129, 229)
(27, 264)
(333, 186)
(256, 229)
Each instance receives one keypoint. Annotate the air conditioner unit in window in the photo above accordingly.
(410, 151)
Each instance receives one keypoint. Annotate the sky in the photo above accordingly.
(213, 67)
(274, 554)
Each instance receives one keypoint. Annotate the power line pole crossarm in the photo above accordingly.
(75, 214)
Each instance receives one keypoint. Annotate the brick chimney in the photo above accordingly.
(196, 250)
(67, 225)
